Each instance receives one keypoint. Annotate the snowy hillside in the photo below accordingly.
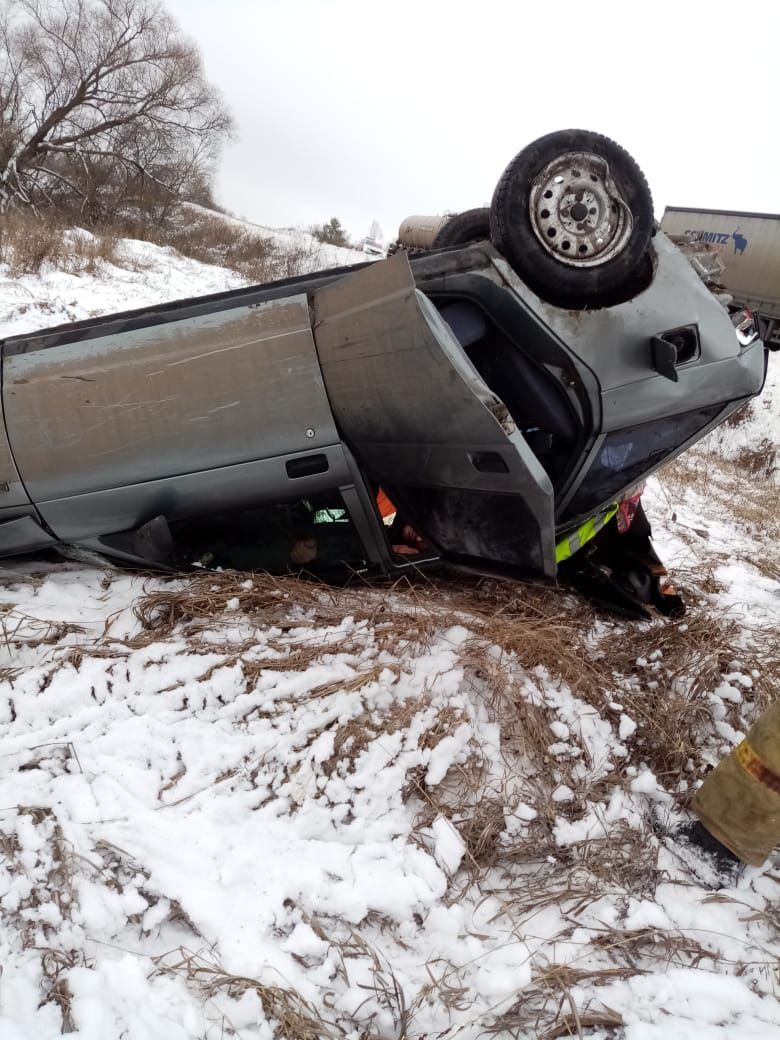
(144, 274)
(291, 238)
(148, 274)
(234, 806)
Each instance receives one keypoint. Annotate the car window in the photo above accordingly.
(627, 455)
(314, 534)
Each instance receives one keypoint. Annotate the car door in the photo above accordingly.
(426, 427)
(137, 418)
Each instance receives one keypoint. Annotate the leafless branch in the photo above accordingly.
(101, 97)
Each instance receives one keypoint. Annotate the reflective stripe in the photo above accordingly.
(752, 764)
(574, 541)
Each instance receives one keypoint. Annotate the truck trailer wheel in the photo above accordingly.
(473, 225)
(573, 214)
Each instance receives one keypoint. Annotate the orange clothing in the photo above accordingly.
(386, 508)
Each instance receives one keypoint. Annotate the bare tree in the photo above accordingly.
(102, 101)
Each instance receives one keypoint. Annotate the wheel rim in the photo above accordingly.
(577, 211)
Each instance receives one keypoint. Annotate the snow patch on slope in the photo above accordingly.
(759, 427)
(144, 275)
(147, 275)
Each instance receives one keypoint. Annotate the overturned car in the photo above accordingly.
(474, 403)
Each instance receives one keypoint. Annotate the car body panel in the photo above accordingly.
(166, 400)
(24, 534)
(118, 509)
(616, 342)
(20, 528)
(12, 492)
(634, 402)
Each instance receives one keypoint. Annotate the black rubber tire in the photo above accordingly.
(614, 281)
(473, 225)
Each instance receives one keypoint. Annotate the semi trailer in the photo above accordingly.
(748, 247)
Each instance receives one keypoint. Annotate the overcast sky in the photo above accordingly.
(375, 109)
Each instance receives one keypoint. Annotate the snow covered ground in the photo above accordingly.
(236, 807)
(290, 239)
(146, 274)
(149, 274)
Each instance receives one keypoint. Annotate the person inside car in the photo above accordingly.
(610, 559)
(404, 539)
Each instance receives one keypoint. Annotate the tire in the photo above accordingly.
(573, 214)
(473, 225)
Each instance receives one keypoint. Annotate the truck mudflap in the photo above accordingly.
(424, 425)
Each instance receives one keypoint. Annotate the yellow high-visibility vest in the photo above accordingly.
(574, 540)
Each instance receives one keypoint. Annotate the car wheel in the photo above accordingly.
(573, 214)
(473, 225)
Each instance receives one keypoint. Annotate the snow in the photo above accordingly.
(627, 727)
(150, 274)
(204, 827)
(449, 848)
(294, 239)
(760, 428)
(145, 275)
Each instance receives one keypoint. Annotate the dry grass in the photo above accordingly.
(675, 665)
(55, 964)
(293, 1017)
(759, 460)
(475, 810)
(18, 630)
(29, 242)
(202, 600)
(386, 991)
(546, 635)
(55, 885)
(749, 483)
(739, 417)
(548, 1009)
(482, 828)
(50, 879)
(354, 736)
(550, 1006)
(627, 860)
(538, 628)
(215, 239)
